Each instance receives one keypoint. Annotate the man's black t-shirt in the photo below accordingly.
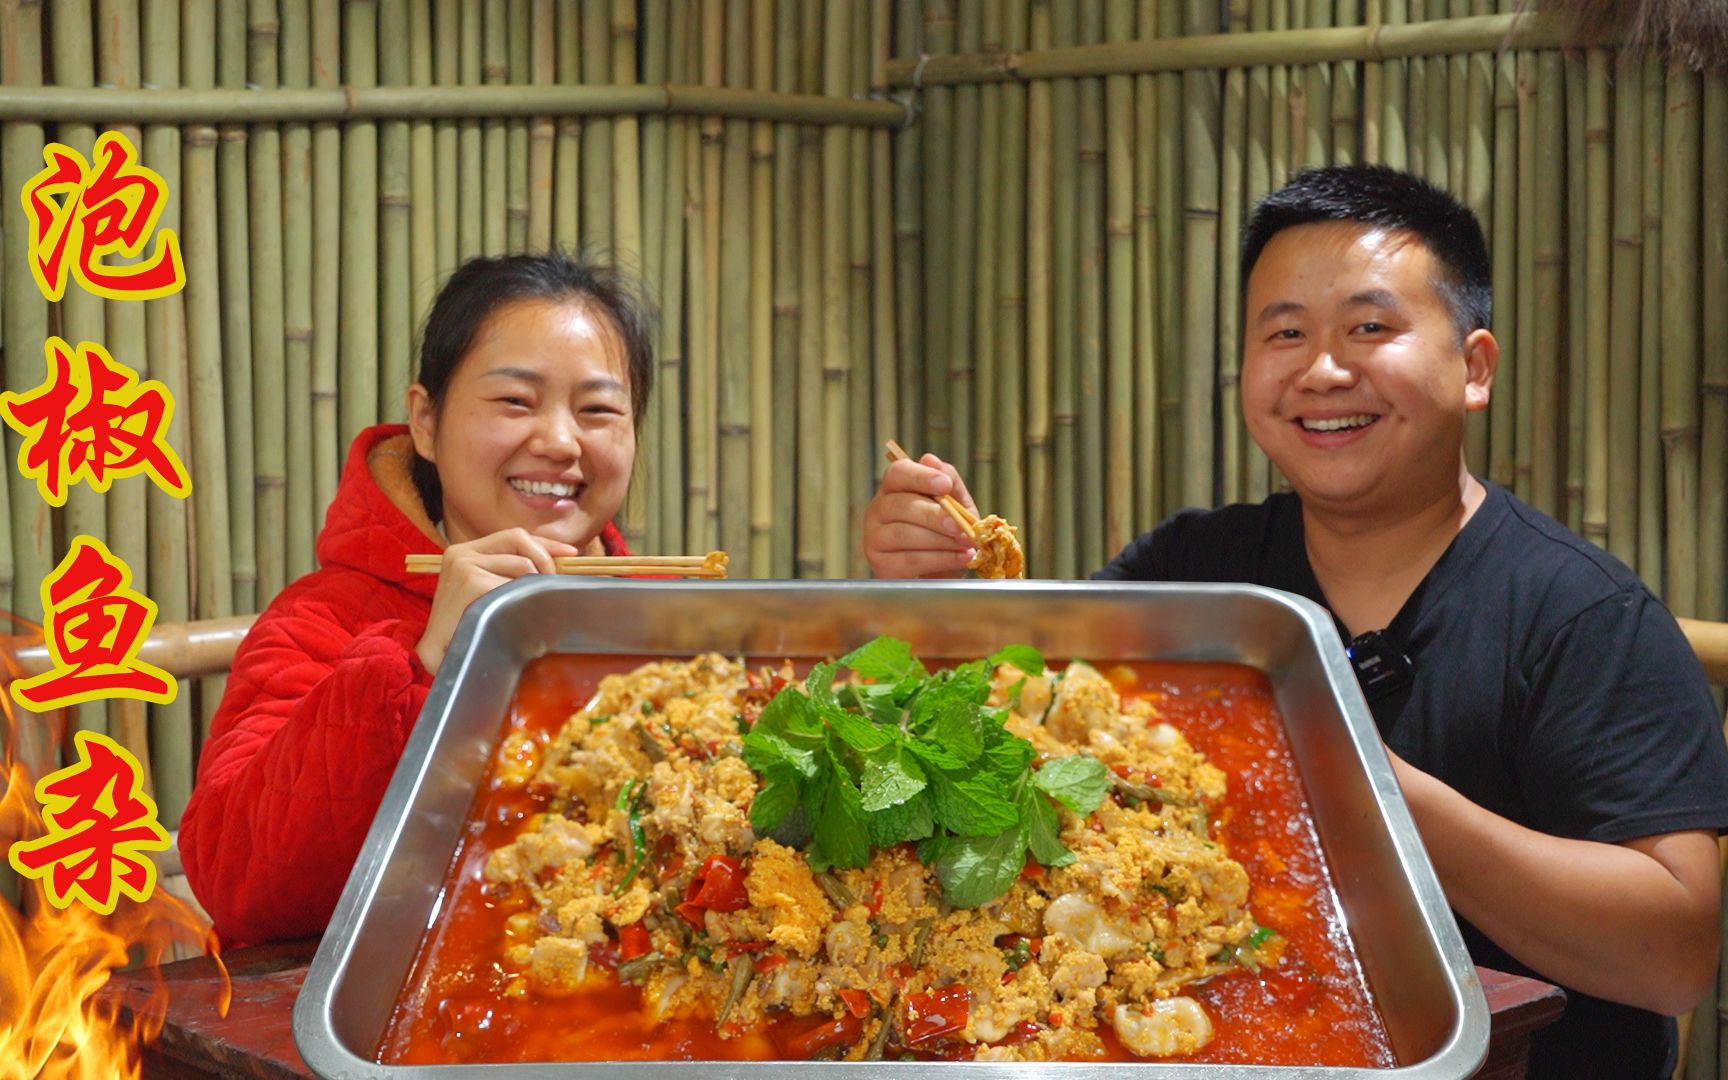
(1548, 686)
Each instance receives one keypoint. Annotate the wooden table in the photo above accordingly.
(256, 1038)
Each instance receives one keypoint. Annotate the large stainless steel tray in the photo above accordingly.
(1416, 964)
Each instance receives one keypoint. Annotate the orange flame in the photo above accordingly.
(53, 962)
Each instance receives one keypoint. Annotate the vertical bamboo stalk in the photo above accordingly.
(1526, 363)
(233, 228)
(626, 142)
(1713, 284)
(860, 484)
(328, 445)
(1680, 316)
(1233, 439)
(269, 358)
(446, 71)
(543, 130)
(1476, 187)
(1170, 127)
(1570, 509)
(1436, 155)
(597, 189)
(1148, 355)
(1416, 123)
(1065, 328)
(1317, 92)
(422, 196)
(669, 386)
(909, 248)
(1010, 401)
(939, 191)
(1347, 119)
(359, 375)
(1596, 301)
(1374, 93)
(982, 479)
(648, 489)
(1394, 149)
(1508, 203)
(499, 183)
(200, 246)
(885, 365)
(1457, 107)
(395, 201)
(1651, 547)
(519, 52)
(470, 138)
(1089, 475)
(300, 514)
(704, 300)
(962, 203)
(1549, 378)
(1039, 201)
(1200, 270)
(567, 153)
(1119, 116)
(787, 315)
(1623, 320)
(813, 444)
(172, 758)
(836, 333)
(736, 497)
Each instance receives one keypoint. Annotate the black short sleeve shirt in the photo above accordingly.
(1548, 685)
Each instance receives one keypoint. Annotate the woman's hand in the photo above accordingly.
(472, 570)
(907, 534)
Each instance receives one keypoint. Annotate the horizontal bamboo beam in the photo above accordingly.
(59, 104)
(186, 650)
(1710, 641)
(1441, 37)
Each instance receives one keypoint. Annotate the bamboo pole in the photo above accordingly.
(269, 417)
(1436, 127)
(1549, 254)
(1508, 203)
(939, 254)
(81, 313)
(1417, 117)
(1318, 90)
(235, 290)
(1713, 341)
(1477, 190)
(836, 333)
(358, 406)
(1147, 462)
(172, 758)
(200, 246)
(1170, 255)
(787, 315)
(117, 66)
(1623, 320)
(1039, 202)
(301, 511)
(499, 183)
(982, 478)
(735, 499)
(517, 72)
(471, 140)
(597, 188)
(1089, 475)
(1570, 509)
(1374, 94)
(909, 248)
(704, 476)
(1064, 378)
(669, 385)
(447, 73)
(648, 487)
(423, 172)
(1347, 118)
(1457, 107)
(885, 365)
(1233, 439)
(1119, 229)
(861, 435)
(1597, 301)
(1011, 325)
(1395, 82)
(567, 153)
(1680, 316)
(626, 142)
(813, 445)
(327, 208)
(962, 217)
(1200, 268)
(395, 202)
(1525, 361)
(1651, 547)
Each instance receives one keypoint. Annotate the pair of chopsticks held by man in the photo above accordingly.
(1550, 727)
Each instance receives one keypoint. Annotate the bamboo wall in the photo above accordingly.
(1035, 278)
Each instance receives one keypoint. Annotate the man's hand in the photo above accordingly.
(472, 570)
(907, 534)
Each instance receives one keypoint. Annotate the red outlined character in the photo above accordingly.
(100, 824)
(91, 419)
(94, 623)
(79, 214)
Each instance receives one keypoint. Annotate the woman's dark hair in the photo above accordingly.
(481, 287)
(1386, 198)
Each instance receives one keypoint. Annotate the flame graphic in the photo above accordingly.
(53, 962)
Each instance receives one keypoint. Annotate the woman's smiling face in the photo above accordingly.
(536, 430)
(1354, 379)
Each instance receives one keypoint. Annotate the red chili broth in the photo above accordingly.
(1313, 1009)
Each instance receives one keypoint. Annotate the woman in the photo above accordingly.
(534, 374)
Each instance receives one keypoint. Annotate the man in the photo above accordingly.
(1550, 728)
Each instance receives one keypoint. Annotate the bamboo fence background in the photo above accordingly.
(1036, 278)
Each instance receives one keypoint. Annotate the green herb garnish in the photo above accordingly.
(912, 756)
(630, 798)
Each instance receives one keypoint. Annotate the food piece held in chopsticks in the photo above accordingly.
(922, 524)
(999, 553)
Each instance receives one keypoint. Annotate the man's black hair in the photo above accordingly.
(1383, 197)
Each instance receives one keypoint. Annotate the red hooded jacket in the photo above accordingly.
(319, 703)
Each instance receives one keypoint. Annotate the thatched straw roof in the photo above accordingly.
(1694, 32)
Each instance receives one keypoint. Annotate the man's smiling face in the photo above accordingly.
(1354, 379)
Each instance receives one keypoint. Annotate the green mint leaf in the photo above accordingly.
(1024, 657)
(857, 732)
(793, 831)
(820, 682)
(763, 751)
(971, 806)
(1006, 759)
(959, 729)
(840, 837)
(1043, 829)
(1077, 782)
(773, 802)
(891, 779)
(886, 659)
(934, 755)
(905, 821)
(975, 870)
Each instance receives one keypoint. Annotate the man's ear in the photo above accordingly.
(422, 422)
(1481, 361)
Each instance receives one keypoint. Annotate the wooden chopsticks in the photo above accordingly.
(966, 519)
(711, 565)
